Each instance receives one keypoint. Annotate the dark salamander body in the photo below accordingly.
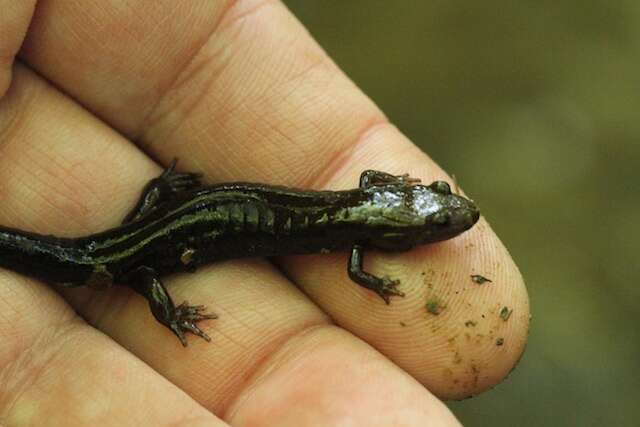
(178, 225)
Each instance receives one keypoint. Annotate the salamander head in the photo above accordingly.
(422, 214)
(445, 214)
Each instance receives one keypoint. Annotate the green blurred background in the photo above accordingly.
(534, 106)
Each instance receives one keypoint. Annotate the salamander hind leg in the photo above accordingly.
(383, 286)
(180, 319)
(370, 178)
(162, 189)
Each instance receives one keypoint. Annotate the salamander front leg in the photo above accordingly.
(180, 319)
(383, 286)
(371, 177)
(162, 189)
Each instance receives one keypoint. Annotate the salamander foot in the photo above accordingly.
(388, 288)
(185, 320)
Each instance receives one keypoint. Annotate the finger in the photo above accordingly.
(14, 21)
(206, 73)
(449, 332)
(291, 117)
(266, 327)
(56, 370)
(331, 379)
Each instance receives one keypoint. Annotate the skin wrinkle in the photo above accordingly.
(252, 376)
(241, 16)
(13, 27)
(73, 209)
(186, 106)
(323, 59)
(11, 122)
(266, 365)
(268, 350)
(31, 362)
(141, 16)
(184, 73)
(197, 135)
(211, 78)
(342, 158)
(11, 293)
(50, 167)
(341, 153)
(320, 62)
(300, 75)
(108, 305)
(189, 105)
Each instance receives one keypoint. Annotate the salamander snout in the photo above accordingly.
(454, 215)
(463, 215)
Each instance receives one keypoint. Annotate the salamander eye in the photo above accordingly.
(441, 187)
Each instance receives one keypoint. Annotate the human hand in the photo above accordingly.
(238, 91)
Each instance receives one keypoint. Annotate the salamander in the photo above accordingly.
(179, 224)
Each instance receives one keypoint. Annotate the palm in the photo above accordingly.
(237, 91)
